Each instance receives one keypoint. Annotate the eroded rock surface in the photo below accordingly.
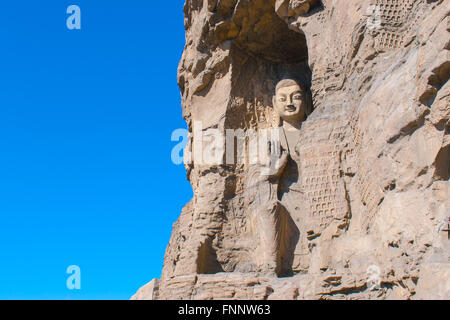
(373, 201)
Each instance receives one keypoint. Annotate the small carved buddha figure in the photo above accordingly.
(278, 233)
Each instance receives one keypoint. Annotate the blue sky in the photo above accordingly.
(86, 116)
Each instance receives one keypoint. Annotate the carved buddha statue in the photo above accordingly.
(275, 194)
(292, 105)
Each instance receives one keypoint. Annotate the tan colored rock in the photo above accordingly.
(148, 292)
(289, 8)
(360, 207)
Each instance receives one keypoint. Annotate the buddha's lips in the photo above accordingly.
(290, 108)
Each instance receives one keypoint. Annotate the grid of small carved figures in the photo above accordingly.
(322, 184)
(390, 40)
(395, 14)
(366, 182)
(394, 11)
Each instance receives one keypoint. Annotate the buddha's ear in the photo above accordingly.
(274, 100)
(309, 102)
(276, 120)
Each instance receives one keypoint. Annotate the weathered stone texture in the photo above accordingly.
(374, 155)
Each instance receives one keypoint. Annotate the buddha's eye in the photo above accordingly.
(282, 99)
(297, 97)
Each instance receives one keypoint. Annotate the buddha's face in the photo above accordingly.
(289, 103)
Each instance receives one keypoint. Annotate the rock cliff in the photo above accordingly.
(367, 208)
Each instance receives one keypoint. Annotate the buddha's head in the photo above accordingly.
(291, 101)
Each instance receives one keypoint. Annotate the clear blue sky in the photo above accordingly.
(86, 117)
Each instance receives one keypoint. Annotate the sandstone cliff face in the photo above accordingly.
(373, 204)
